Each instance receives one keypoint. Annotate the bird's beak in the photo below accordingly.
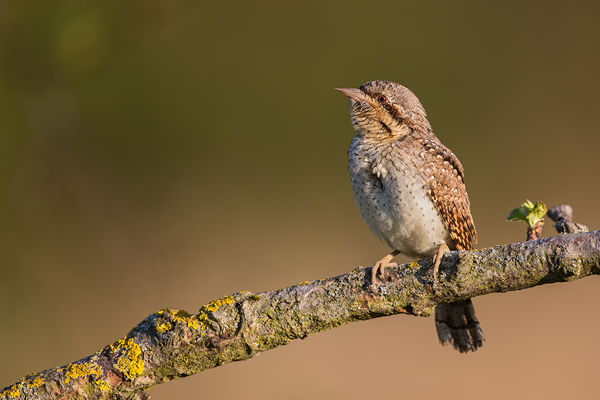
(353, 94)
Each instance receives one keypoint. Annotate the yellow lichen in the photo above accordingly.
(193, 322)
(179, 317)
(414, 265)
(103, 385)
(203, 320)
(182, 317)
(35, 382)
(304, 283)
(12, 391)
(130, 362)
(164, 327)
(215, 304)
(80, 370)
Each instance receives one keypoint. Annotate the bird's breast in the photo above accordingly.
(391, 195)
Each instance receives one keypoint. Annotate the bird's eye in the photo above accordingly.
(382, 99)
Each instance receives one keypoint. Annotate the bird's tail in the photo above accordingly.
(457, 324)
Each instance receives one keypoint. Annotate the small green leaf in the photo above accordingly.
(529, 213)
(516, 215)
(537, 214)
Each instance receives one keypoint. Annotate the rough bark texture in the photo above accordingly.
(173, 344)
(535, 233)
(563, 216)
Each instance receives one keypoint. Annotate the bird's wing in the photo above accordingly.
(446, 187)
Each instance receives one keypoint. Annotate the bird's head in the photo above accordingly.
(385, 109)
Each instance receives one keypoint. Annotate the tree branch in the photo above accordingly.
(173, 344)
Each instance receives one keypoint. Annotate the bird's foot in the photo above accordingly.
(381, 265)
(437, 259)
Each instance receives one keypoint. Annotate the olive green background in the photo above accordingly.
(162, 154)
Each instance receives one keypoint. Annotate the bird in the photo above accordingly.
(409, 189)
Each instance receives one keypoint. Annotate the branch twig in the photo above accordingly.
(173, 344)
(563, 216)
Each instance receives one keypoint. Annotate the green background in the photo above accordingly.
(160, 154)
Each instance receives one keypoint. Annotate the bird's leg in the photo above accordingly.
(382, 264)
(437, 259)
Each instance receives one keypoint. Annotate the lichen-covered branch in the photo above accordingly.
(173, 344)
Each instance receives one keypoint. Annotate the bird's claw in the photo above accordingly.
(437, 259)
(379, 269)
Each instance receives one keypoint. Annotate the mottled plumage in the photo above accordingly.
(409, 189)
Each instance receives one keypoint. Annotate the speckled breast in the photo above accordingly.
(391, 195)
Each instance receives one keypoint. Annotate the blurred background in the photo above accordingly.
(164, 153)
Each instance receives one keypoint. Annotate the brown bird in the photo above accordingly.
(410, 191)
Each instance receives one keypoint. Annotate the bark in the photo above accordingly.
(563, 216)
(535, 232)
(173, 344)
